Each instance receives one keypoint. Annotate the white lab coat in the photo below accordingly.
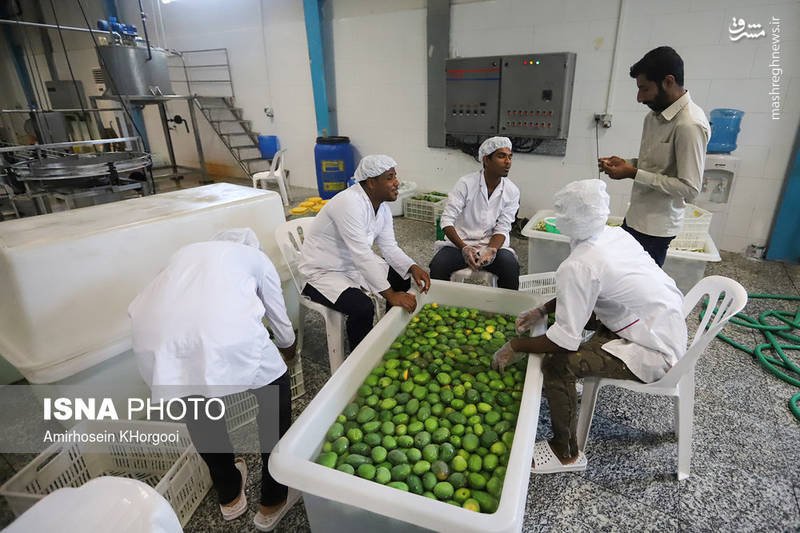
(475, 216)
(337, 252)
(613, 276)
(197, 327)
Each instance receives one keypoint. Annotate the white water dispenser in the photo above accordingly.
(717, 189)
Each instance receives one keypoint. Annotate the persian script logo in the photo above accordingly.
(738, 27)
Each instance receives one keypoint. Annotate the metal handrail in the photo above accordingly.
(187, 78)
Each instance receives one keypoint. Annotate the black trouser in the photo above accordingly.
(357, 306)
(505, 266)
(210, 434)
(655, 246)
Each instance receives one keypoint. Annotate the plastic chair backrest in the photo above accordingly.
(290, 236)
(277, 165)
(276, 168)
(725, 295)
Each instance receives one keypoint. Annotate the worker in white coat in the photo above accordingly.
(477, 219)
(198, 331)
(610, 283)
(337, 258)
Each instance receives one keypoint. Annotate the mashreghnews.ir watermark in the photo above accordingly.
(775, 68)
(739, 29)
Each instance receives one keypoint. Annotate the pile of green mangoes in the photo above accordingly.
(433, 418)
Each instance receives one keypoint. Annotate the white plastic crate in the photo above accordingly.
(543, 284)
(241, 408)
(175, 470)
(423, 210)
(696, 224)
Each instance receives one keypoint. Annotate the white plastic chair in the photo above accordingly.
(276, 172)
(679, 380)
(290, 237)
(475, 277)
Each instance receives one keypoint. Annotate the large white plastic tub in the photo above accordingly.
(339, 502)
(67, 278)
(546, 251)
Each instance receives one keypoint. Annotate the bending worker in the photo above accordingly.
(669, 170)
(608, 275)
(477, 219)
(197, 331)
(337, 258)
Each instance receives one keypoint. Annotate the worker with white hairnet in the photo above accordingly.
(608, 283)
(337, 258)
(477, 219)
(198, 332)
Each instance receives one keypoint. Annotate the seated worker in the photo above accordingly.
(337, 258)
(197, 331)
(608, 275)
(477, 219)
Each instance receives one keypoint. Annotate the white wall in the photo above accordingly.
(266, 42)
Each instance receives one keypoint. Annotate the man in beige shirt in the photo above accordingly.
(669, 170)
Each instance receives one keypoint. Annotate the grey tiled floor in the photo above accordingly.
(746, 463)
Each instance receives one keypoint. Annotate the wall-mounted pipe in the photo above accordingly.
(50, 26)
(613, 79)
(144, 29)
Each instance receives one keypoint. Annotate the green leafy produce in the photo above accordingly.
(433, 418)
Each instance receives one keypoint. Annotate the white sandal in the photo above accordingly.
(230, 512)
(545, 461)
(268, 522)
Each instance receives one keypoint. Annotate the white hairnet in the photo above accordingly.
(582, 209)
(373, 165)
(244, 236)
(491, 144)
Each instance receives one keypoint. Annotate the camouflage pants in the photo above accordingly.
(561, 370)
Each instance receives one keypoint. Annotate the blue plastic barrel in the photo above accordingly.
(333, 157)
(724, 130)
(269, 146)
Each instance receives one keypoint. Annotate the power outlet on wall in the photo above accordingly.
(604, 119)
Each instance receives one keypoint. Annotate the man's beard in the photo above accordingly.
(660, 102)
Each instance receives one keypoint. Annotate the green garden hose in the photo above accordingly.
(773, 332)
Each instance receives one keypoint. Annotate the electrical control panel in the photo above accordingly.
(528, 95)
(473, 95)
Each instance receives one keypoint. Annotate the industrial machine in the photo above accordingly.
(44, 178)
(526, 97)
(51, 156)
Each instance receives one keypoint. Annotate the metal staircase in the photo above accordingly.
(207, 76)
(234, 131)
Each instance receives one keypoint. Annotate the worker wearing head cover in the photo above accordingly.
(337, 258)
(608, 282)
(197, 331)
(477, 219)
(669, 170)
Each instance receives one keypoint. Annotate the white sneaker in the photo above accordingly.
(268, 522)
(229, 512)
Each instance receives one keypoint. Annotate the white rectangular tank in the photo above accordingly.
(67, 278)
(337, 502)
